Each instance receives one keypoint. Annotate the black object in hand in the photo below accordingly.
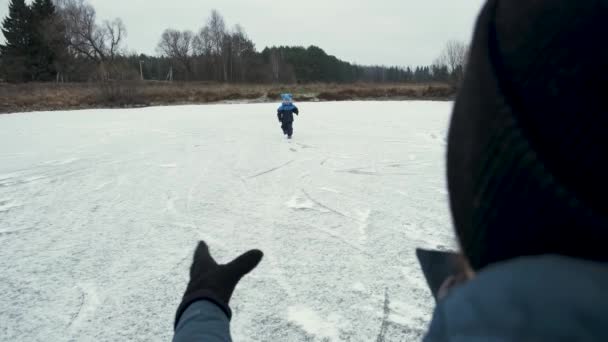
(213, 282)
(439, 266)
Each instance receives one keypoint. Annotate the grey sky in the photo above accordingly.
(390, 32)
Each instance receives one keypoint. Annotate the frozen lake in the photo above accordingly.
(100, 211)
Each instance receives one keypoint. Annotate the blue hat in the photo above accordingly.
(287, 97)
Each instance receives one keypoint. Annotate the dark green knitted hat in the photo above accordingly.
(528, 144)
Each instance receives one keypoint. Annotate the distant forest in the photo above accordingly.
(63, 41)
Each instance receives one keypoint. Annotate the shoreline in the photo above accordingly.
(49, 97)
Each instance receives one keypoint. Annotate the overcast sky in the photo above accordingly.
(389, 32)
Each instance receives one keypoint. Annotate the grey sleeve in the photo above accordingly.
(203, 321)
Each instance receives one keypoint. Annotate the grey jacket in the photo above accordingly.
(547, 298)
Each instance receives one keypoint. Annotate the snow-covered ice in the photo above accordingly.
(100, 211)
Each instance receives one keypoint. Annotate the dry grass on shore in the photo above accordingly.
(51, 96)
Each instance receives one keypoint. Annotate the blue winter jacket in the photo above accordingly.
(548, 298)
(286, 111)
(203, 321)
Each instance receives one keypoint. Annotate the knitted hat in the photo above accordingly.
(287, 98)
(528, 143)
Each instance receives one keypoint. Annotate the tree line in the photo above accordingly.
(63, 40)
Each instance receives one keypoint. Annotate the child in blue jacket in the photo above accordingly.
(285, 114)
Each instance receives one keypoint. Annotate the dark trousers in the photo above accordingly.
(287, 128)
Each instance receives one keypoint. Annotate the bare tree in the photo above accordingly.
(201, 44)
(178, 45)
(216, 26)
(454, 56)
(113, 33)
(217, 31)
(99, 43)
(241, 45)
(222, 52)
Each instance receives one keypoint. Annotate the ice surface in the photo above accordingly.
(100, 211)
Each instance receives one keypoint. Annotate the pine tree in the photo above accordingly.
(43, 54)
(17, 48)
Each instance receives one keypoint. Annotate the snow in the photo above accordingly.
(100, 211)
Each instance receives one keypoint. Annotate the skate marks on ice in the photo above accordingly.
(323, 206)
(411, 167)
(360, 171)
(390, 327)
(305, 146)
(388, 170)
(20, 178)
(270, 170)
(303, 201)
(88, 302)
(326, 189)
(314, 325)
(361, 217)
(8, 232)
(7, 205)
(61, 162)
(317, 326)
(386, 313)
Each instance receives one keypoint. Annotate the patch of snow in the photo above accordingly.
(313, 323)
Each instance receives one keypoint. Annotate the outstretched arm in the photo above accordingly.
(203, 321)
(204, 314)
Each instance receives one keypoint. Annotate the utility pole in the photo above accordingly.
(170, 75)
(141, 70)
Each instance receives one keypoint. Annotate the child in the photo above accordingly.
(285, 114)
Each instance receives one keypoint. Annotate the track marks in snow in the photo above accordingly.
(9, 180)
(324, 328)
(304, 201)
(359, 171)
(330, 190)
(299, 202)
(61, 162)
(14, 231)
(323, 206)
(386, 314)
(270, 170)
(8, 205)
(79, 309)
(88, 304)
(344, 241)
(367, 172)
(102, 185)
(305, 146)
